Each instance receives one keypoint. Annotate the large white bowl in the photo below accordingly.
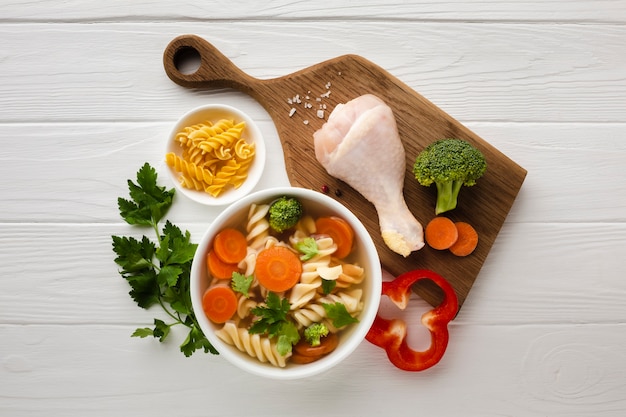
(317, 204)
(251, 133)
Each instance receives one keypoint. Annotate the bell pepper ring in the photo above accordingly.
(391, 335)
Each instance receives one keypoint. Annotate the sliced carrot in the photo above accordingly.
(304, 353)
(327, 345)
(219, 303)
(467, 240)
(278, 268)
(340, 231)
(441, 233)
(218, 268)
(301, 359)
(230, 245)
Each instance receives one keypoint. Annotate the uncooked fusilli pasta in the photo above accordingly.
(213, 156)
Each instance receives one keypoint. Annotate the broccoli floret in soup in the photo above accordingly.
(284, 213)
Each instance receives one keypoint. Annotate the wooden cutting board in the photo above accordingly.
(320, 88)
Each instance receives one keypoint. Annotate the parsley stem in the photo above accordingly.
(155, 227)
(169, 313)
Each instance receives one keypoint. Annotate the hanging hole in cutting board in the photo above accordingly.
(187, 60)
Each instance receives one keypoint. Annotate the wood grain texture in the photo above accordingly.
(419, 122)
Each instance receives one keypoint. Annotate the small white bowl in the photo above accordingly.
(350, 338)
(251, 133)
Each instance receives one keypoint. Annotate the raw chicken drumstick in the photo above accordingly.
(360, 145)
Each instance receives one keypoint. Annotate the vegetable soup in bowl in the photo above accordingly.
(286, 283)
(215, 154)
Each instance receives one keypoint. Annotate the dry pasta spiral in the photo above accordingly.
(224, 139)
(222, 178)
(202, 131)
(213, 156)
(188, 169)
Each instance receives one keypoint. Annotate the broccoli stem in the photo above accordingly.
(447, 193)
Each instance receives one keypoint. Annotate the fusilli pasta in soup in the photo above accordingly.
(280, 326)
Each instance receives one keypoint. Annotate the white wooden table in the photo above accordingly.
(84, 102)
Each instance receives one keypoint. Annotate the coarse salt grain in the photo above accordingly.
(297, 99)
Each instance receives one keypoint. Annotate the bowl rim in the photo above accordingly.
(216, 111)
(366, 317)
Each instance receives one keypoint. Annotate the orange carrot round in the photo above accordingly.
(441, 233)
(278, 268)
(467, 240)
(218, 268)
(340, 231)
(219, 303)
(230, 245)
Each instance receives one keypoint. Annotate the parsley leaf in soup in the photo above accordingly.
(241, 283)
(338, 314)
(272, 320)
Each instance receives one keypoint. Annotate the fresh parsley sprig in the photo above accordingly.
(158, 273)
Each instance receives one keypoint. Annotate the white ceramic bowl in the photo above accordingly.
(251, 133)
(318, 204)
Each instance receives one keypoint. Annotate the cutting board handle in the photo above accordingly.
(215, 70)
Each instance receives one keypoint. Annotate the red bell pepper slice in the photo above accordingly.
(391, 334)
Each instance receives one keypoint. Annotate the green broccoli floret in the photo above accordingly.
(450, 164)
(284, 213)
(315, 332)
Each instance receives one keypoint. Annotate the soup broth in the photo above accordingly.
(328, 293)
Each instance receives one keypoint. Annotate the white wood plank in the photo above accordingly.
(426, 10)
(532, 370)
(475, 72)
(536, 273)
